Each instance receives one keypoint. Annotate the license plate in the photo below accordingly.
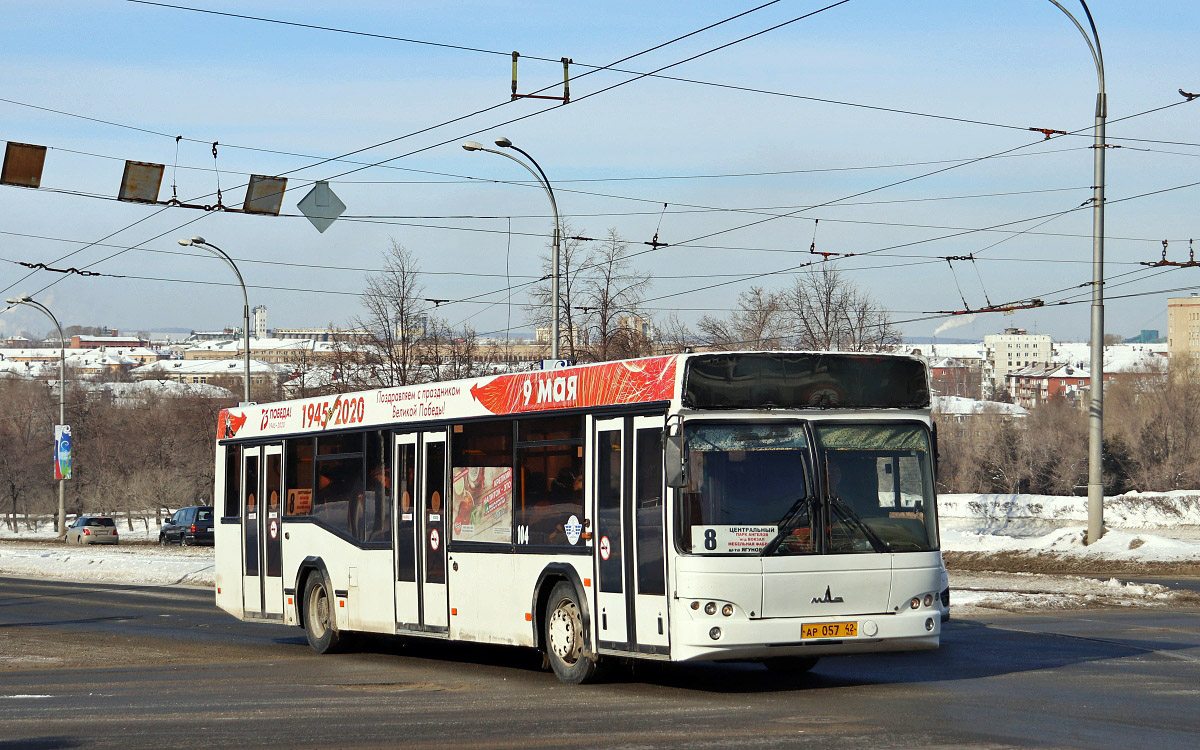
(829, 630)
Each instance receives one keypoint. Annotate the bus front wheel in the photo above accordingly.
(318, 616)
(566, 644)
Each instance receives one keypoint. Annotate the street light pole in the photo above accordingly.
(201, 243)
(62, 397)
(544, 181)
(1096, 411)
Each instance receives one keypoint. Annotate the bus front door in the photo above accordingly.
(262, 486)
(646, 507)
(631, 598)
(614, 628)
(420, 513)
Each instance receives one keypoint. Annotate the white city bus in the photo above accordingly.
(765, 506)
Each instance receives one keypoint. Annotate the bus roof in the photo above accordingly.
(621, 383)
(633, 381)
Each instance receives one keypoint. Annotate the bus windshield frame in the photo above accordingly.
(770, 487)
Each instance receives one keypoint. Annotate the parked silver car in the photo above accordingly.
(92, 530)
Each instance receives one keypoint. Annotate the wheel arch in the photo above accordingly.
(550, 576)
(308, 566)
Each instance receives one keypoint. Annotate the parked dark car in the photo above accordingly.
(192, 525)
(92, 530)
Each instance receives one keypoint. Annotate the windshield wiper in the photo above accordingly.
(848, 513)
(789, 522)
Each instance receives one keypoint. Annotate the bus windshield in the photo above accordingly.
(744, 480)
(880, 487)
(750, 489)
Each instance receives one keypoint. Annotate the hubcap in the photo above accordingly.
(318, 611)
(564, 631)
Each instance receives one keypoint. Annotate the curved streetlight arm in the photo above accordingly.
(538, 175)
(34, 303)
(62, 396)
(544, 181)
(1097, 53)
(206, 245)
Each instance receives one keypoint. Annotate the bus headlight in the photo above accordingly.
(715, 634)
(915, 602)
(710, 608)
(727, 610)
(928, 600)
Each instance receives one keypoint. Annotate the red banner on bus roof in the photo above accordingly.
(630, 382)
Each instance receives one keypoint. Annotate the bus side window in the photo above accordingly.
(550, 469)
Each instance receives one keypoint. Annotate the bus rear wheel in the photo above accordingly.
(566, 641)
(318, 616)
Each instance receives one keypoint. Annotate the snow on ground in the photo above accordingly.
(1120, 546)
(44, 528)
(1132, 510)
(132, 563)
(975, 593)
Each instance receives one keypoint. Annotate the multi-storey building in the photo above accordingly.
(1183, 331)
(1013, 350)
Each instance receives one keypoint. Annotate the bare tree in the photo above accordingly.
(828, 312)
(393, 324)
(1155, 415)
(673, 335)
(611, 294)
(575, 259)
(24, 441)
(756, 322)
(449, 354)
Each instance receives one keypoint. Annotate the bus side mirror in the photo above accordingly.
(676, 473)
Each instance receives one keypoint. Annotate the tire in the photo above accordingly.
(183, 542)
(319, 625)
(565, 640)
(790, 665)
(162, 540)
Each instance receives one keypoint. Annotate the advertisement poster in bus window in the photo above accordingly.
(482, 509)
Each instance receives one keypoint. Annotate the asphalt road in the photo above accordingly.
(84, 665)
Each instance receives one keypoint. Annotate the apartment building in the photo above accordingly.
(1012, 350)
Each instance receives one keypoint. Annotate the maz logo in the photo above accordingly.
(829, 598)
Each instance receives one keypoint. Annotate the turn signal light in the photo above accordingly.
(916, 602)
(727, 610)
(929, 600)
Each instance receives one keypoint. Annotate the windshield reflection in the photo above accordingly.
(882, 477)
(743, 480)
(749, 489)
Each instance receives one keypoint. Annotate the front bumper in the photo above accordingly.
(742, 638)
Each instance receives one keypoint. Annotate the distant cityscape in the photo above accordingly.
(1012, 366)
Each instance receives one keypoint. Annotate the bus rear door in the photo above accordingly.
(262, 487)
(420, 513)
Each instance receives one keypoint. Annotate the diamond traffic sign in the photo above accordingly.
(321, 206)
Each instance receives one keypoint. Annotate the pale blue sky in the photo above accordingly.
(247, 83)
